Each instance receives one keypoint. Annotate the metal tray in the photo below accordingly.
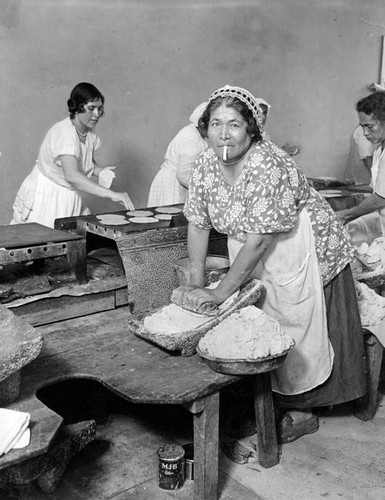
(245, 366)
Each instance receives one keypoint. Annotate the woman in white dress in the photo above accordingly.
(170, 185)
(65, 165)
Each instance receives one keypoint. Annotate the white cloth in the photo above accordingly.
(168, 186)
(106, 177)
(41, 200)
(45, 194)
(295, 298)
(13, 424)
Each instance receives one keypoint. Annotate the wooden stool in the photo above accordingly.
(27, 242)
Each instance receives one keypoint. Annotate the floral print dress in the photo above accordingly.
(267, 197)
(271, 196)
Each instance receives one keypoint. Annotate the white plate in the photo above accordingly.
(168, 210)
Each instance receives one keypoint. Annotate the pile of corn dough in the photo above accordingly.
(173, 319)
(370, 304)
(248, 333)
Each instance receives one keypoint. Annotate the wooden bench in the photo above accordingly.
(102, 348)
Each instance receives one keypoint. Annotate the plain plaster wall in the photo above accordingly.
(155, 60)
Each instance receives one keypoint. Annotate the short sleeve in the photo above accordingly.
(63, 141)
(273, 188)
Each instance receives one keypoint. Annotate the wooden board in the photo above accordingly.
(23, 235)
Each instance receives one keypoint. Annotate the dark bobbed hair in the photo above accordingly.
(230, 102)
(81, 94)
(373, 103)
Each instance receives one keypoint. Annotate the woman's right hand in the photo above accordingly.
(124, 199)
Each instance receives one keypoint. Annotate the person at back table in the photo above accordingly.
(170, 184)
(65, 164)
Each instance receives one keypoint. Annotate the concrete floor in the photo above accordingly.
(345, 459)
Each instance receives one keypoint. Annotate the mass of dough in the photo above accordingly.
(370, 304)
(172, 320)
(248, 333)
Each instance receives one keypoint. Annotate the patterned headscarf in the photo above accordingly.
(246, 97)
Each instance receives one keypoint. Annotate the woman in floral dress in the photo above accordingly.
(281, 231)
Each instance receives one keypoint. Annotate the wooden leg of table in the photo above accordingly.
(206, 447)
(365, 407)
(265, 420)
(77, 257)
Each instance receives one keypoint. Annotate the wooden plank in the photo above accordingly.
(22, 235)
(206, 442)
(265, 420)
(121, 297)
(51, 310)
(77, 256)
(131, 367)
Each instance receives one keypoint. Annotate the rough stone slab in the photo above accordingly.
(49, 468)
(20, 343)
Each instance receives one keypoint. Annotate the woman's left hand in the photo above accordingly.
(343, 216)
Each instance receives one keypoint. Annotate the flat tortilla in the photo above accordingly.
(140, 213)
(109, 222)
(112, 219)
(163, 216)
(143, 220)
(168, 210)
(330, 193)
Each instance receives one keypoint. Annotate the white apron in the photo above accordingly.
(295, 297)
(165, 188)
(41, 200)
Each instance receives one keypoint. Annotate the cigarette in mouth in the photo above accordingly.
(224, 153)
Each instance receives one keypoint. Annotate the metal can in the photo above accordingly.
(189, 460)
(171, 466)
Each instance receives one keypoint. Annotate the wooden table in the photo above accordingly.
(26, 242)
(102, 348)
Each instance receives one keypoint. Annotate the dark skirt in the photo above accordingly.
(347, 380)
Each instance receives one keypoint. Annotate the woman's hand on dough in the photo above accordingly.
(194, 296)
